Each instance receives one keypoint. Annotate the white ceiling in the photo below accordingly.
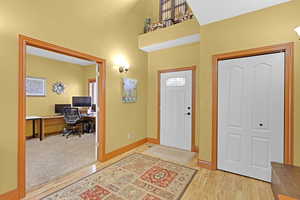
(208, 11)
(57, 56)
(172, 43)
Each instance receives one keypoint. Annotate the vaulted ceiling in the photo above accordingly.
(208, 11)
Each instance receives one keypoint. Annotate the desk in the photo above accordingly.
(90, 117)
(51, 120)
(42, 120)
(34, 118)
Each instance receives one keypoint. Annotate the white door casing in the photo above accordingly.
(176, 109)
(251, 114)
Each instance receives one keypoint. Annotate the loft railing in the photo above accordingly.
(171, 12)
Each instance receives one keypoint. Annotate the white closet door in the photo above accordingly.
(176, 109)
(251, 114)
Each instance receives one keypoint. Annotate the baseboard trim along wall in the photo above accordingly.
(11, 195)
(204, 164)
(124, 149)
(153, 140)
(195, 149)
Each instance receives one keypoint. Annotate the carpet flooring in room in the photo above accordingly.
(57, 156)
(135, 177)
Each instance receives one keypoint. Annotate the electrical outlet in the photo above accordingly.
(130, 135)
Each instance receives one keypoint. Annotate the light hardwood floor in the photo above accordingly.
(206, 185)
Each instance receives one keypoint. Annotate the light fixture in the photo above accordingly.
(297, 30)
(121, 63)
(123, 68)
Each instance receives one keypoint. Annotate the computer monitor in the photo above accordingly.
(59, 108)
(82, 101)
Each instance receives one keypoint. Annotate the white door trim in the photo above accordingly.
(288, 48)
(193, 69)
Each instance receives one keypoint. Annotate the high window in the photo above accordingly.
(171, 9)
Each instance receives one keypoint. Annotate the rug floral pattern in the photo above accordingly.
(136, 177)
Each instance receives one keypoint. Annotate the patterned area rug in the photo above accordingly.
(136, 177)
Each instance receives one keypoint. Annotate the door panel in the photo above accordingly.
(235, 96)
(176, 102)
(251, 114)
(260, 152)
(233, 146)
(231, 94)
(262, 79)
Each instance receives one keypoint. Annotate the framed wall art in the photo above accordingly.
(35, 87)
(129, 93)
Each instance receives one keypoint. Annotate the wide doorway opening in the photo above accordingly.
(61, 112)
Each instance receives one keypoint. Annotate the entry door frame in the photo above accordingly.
(101, 65)
(193, 69)
(288, 48)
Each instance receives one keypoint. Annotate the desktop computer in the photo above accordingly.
(59, 108)
(82, 101)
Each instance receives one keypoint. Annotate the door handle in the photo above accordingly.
(188, 113)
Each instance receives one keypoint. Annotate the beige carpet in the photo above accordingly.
(170, 154)
(56, 156)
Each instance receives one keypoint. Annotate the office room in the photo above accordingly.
(61, 96)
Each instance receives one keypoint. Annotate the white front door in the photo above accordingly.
(176, 109)
(251, 114)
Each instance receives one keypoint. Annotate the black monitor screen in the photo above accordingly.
(82, 101)
(59, 108)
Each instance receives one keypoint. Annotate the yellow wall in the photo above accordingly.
(53, 71)
(183, 56)
(270, 26)
(100, 28)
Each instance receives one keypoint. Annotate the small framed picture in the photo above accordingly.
(35, 87)
(129, 93)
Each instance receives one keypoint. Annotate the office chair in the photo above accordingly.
(72, 121)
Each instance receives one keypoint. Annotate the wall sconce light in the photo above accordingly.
(297, 30)
(123, 68)
(121, 63)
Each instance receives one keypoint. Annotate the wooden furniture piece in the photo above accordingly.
(48, 122)
(34, 119)
(92, 119)
(51, 124)
(285, 181)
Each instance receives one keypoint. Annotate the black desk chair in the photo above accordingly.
(72, 121)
